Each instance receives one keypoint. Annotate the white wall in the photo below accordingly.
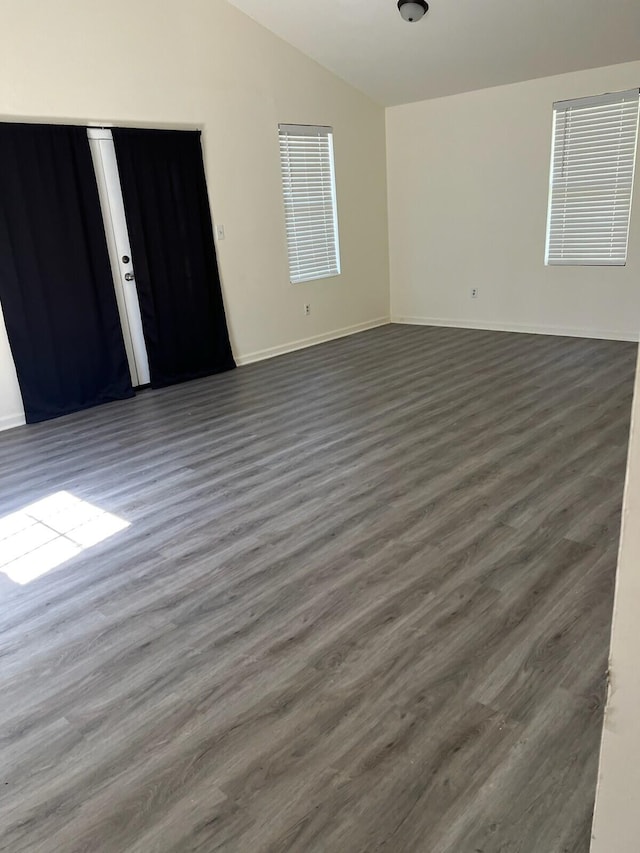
(202, 63)
(11, 411)
(468, 185)
(616, 827)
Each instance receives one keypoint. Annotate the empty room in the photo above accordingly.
(319, 480)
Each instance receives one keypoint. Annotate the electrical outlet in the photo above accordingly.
(474, 292)
(307, 309)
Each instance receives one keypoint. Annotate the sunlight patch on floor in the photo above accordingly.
(47, 533)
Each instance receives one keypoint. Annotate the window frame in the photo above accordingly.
(597, 135)
(331, 270)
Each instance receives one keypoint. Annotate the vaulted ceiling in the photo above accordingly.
(458, 46)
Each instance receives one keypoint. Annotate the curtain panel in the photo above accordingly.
(56, 285)
(171, 234)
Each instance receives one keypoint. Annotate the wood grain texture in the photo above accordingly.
(363, 604)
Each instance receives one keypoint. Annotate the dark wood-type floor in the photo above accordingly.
(363, 604)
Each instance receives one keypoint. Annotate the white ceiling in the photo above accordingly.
(460, 45)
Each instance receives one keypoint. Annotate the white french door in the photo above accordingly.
(115, 225)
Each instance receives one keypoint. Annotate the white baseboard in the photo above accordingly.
(562, 331)
(10, 421)
(271, 352)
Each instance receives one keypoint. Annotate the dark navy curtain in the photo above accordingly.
(173, 252)
(56, 286)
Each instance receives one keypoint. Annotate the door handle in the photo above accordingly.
(129, 276)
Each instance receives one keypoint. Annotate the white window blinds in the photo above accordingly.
(592, 165)
(308, 181)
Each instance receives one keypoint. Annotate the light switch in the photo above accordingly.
(220, 232)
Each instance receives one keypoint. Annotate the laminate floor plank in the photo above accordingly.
(363, 602)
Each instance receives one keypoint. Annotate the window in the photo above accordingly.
(308, 182)
(592, 165)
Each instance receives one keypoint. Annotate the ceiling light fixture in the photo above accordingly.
(413, 10)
